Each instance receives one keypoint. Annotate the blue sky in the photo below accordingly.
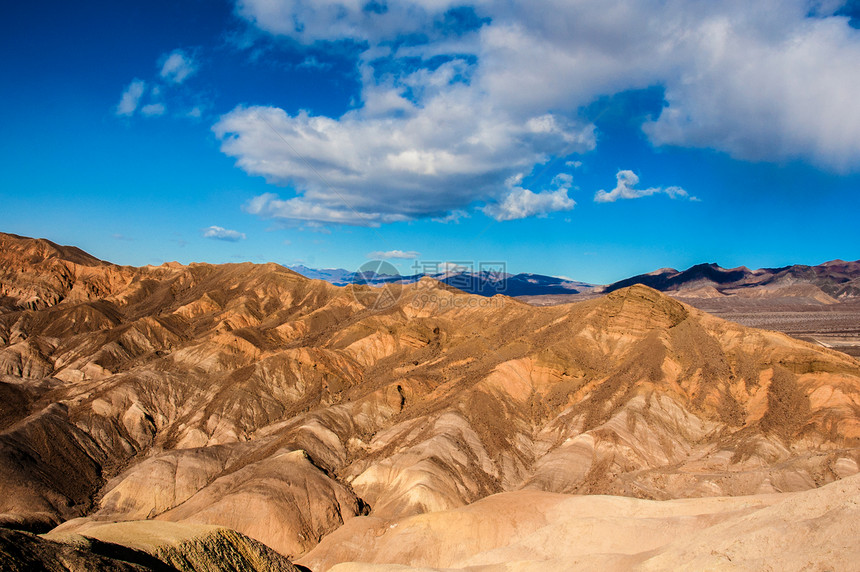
(594, 139)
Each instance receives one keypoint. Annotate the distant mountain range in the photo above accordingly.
(829, 281)
(482, 283)
(832, 280)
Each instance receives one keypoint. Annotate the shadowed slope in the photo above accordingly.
(139, 546)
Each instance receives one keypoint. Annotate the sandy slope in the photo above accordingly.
(543, 532)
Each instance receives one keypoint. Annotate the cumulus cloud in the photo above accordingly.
(220, 233)
(522, 203)
(130, 98)
(770, 99)
(760, 81)
(270, 205)
(369, 168)
(624, 189)
(177, 67)
(772, 80)
(389, 254)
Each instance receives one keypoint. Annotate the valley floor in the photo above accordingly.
(835, 326)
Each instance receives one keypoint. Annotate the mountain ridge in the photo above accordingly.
(484, 283)
(834, 279)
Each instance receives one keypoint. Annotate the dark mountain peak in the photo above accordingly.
(482, 282)
(711, 271)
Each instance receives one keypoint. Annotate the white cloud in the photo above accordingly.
(312, 63)
(453, 216)
(370, 167)
(130, 98)
(177, 67)
(624, 189)
(522, 203)
(153, 109)
(770, 99)
(308, 22)
(389, 254)
(269, 205)
(759, 80)
(220, 233)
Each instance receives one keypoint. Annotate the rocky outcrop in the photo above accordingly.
(139, 546)
(184, 547)
(24, 552)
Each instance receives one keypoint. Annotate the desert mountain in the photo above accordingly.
(251, 398)
(830, 281)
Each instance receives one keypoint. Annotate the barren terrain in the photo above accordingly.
(336, 425)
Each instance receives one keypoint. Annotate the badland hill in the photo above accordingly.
(326, 423)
